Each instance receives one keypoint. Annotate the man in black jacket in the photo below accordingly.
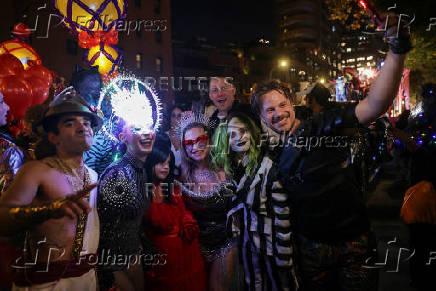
(329, 215)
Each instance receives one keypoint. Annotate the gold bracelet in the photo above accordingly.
(35, 214)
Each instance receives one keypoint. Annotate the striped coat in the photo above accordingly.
(266, 219)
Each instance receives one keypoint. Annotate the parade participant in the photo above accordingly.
(267, 238)
(62, 228)
(222, 93)
(171, 228)
(209, 200)
(328, 212)
(89, 84)
(174, 114)
(11, 156)
(11, 160)
(318, 99)
(122, 193)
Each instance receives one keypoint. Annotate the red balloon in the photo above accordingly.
(39, 89)
(17, 94)
(21, 30)
(10, 65)
(42, 72)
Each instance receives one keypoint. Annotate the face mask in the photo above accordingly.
(239, 136)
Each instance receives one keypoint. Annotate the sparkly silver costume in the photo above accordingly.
(210, 210)
(122, 202)
(12, 158)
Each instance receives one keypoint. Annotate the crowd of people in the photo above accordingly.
(249, 197)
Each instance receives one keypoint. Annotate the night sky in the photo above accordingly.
(223, 21)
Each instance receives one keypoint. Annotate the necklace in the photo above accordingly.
(215, 193)
(78, 178)
(205, 175)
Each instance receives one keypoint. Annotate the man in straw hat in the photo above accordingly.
(62, 229)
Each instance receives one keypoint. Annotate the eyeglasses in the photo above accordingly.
(201, 140)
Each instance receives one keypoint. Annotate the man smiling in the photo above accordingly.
(62, 229)
(122, 202)
(329, 214)
(222, 93)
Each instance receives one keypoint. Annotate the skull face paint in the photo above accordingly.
(239, 136)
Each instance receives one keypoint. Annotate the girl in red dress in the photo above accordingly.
(171, 228)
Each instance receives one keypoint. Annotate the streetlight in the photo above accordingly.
(322, 80)
(283, 64)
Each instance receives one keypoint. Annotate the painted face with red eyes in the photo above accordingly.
(196, 143)
(239, 136)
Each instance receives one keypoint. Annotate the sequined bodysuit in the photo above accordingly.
(122, 202)
(210, 210)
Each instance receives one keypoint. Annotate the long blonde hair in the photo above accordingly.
(188, 165)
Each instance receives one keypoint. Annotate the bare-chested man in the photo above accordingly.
(62, 228)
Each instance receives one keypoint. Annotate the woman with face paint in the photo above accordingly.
(267, 248)
(208, 197)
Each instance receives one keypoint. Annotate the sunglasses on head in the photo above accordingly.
(202, 140)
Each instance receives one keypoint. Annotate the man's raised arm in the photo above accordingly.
(17, 211)
(385, 86)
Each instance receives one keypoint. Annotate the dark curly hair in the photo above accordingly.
(265, 87)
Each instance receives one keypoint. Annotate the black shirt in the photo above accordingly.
(315, 167)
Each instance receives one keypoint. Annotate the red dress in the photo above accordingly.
(173, 230)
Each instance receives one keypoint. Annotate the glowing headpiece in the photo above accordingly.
(132, 101)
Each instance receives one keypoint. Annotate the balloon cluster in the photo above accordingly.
(94, 22)
(23, 88)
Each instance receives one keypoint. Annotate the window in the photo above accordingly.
(71, 47)
(348, 50)
(157, 6)
(159, 64)
(139, 61)
(158, 36)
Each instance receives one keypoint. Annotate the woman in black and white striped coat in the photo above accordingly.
(265, 225)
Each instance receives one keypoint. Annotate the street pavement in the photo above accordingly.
(384, 204)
